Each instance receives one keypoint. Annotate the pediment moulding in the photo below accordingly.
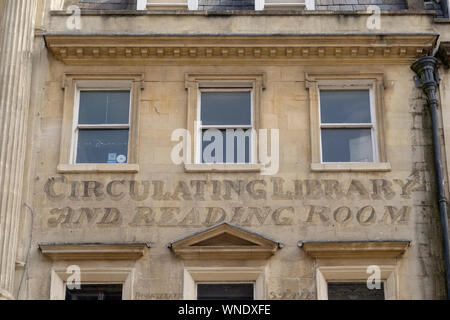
(225, 241)
(94, 49)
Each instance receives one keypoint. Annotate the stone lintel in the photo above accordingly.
(93, 251)
(355, 249)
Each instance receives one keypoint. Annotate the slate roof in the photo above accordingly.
(321, 5)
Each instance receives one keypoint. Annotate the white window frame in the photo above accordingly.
(167, 5)
(315, 82)
(356, 274)
(225, 282)
(141, 5)
(93, 86)
(193, 83)
(261, 5)
(372, 125)
(93, 275)
(199, 136)
(71, 84)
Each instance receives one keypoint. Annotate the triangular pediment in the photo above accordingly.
(224, 241)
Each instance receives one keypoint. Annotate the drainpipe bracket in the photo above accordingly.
(417, 82)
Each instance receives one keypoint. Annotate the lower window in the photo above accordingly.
(93, 292)
(354, 291)
(225, 291)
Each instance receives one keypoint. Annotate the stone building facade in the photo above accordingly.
(104, 176)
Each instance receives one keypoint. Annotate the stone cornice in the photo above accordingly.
(355, 249)
(93, 251)
(90, 49)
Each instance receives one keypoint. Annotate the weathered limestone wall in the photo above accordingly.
(162, 203)
(165, 203)
(428, 227)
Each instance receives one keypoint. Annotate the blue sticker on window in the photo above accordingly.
(112, 157)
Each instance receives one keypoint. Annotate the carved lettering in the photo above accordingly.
(283, 216)
(93, 187)
(158, 191)
(396, 215)
(357, 187)
(342, 215)
(199, 186)
(135, 193)
(236, 186)
(144, 217)
(259, 194)
(111, 218)
(63, 217)
(298, 190)
(321, 212)
(313, 189)
(278, 193)
(50, 191)
(112, 193)
(332, 189)
(382, 187)
(215, 215)
(183, 190)
(366, 215)
(88, 215)
(406, 187)
(168, 216)
(191, 219)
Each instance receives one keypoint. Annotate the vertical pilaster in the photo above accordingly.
(15, 78)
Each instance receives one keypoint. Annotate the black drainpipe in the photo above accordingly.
(427, 79)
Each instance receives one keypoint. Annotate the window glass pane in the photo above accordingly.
(354, 291)
(226, 146)
(347, 145)
(104, 107)
(226, 108)
(92, 292)
(228, 291)
(345, 106)
(102, 146)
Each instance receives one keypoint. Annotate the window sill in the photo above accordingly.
(223, 167)
(351, 167)
(98, 168)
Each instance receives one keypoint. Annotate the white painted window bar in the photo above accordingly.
(259, 4)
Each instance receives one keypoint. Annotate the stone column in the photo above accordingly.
(15, 80)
